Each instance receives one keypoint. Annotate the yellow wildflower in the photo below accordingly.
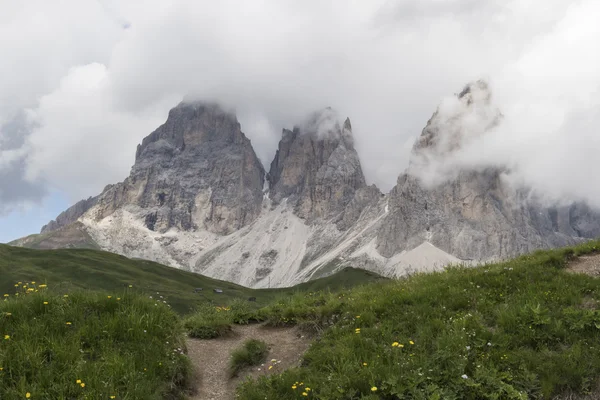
(8, 314)
(6, 295)
(109, 297)
(364, 364)
(45, 303)
(374, 389)
(68, 323)
(395, 344)
(270, 367)
(6, 337)
(307, 389)
(33, 282)
(304, 394)
(294, 387)
(42, 286)
(82, 384)
(411, 342)
(78, 381)
(113, 397)
(27, 395)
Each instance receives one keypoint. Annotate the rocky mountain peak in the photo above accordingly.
(472, 213)
(457, 120)
(196, 171)
(191, 125)
(316, 166)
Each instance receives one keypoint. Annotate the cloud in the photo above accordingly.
(548, 137)
(82, 142)
(96, 84)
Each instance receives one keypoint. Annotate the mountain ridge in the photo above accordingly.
(196, 199)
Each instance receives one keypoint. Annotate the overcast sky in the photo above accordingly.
(83, 81)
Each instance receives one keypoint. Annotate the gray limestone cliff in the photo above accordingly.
(196, 171)
(474, 214)
(318, 170)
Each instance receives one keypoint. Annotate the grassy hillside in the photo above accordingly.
(525, 329)
(90, 346)
(69, 269)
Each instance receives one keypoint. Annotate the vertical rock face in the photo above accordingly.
(317, 168)
(196, 171)
(472, 214)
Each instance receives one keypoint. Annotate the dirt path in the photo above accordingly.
(589, 265)
(211, 358)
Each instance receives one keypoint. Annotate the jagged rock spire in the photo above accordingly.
(317, 167)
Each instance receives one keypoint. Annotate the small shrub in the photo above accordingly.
(241, 313)
(208, 322)
(253, 352)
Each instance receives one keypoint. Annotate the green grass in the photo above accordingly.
(70, 269)
(210, 322)
(516, 330)
(252, 352)
(88, 345)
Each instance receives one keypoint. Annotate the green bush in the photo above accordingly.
(252, 352)
(89, 345)
(208, 322)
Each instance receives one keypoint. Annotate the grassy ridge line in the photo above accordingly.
(524, 329)
(69, 269)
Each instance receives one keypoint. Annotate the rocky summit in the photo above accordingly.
(196, 199)
(317, 168)
(196, 171)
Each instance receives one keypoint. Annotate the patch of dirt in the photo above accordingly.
(589, 265)
(211, 358)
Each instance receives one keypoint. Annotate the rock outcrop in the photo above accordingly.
(70, 215)
(317, 169)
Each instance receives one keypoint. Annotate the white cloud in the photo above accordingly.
(96, 88)
(82, 142)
